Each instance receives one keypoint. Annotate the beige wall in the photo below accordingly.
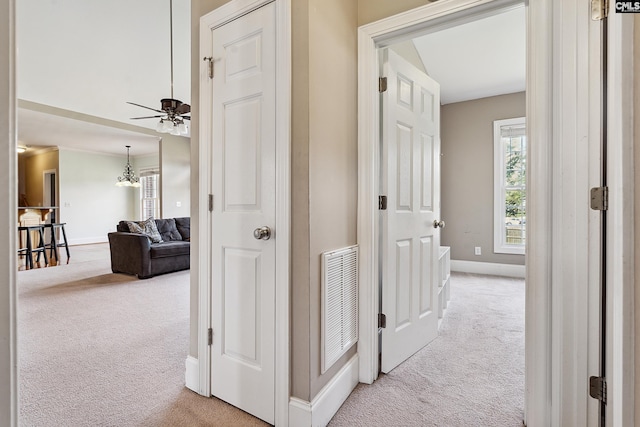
(8, 219)
(324, 167)
(374, 10)
(636, 131)
(333, 161)
(34, 166)
(300, 245)
(467, 175)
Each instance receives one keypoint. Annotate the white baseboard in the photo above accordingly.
(324, 406)
(508, 270)
(192, 374)
(88, 240)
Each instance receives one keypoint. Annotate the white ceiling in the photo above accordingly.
(43, 129)
(482, 58)
(91, 57)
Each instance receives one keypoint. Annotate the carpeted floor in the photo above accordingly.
(103, 349)
(471, 375)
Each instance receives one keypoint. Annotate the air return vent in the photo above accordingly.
(339, 304)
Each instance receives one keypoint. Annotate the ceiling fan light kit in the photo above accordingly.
(173, 112)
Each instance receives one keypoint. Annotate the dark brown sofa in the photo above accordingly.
(133, 253)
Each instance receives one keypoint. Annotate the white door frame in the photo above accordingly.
(216, 18)
(620, 344)
(554, 394)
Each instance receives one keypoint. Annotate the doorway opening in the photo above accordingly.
(49, 194)
(372, 37)
(485, 82)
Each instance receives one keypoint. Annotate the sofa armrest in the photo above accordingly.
(130, 253)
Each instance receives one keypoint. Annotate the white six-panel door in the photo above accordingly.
(243, 175)
(410, 167)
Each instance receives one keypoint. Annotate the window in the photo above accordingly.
(149, 200)
(510, 192)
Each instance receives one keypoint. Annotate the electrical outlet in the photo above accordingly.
(178, 204)
(478, 250)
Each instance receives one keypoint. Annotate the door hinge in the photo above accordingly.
(599, 9)
(382, 84)
(598, 388)
(382, 203)
(210, 202)
(210, 59)
(600, 198)
(210, 336)
(382, 320)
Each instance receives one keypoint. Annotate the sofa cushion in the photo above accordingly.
(147, 227)
(184, 227)
(123, 227)
(170, 249)
(167, 229)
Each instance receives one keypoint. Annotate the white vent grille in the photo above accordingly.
(339, 304)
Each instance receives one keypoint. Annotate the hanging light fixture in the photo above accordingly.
(128, 178)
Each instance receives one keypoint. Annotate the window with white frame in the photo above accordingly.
(510, 191)
(149, 199)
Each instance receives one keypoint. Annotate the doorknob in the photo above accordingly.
(262, 233)
(439, 224)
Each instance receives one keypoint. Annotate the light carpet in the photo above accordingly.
(104, 349)
(472, 374)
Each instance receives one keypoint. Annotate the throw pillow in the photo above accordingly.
(167, 229)
(148, 228)
(184, 227)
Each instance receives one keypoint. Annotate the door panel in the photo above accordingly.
(243, 174)
(410, 170)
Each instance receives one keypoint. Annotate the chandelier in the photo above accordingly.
(128, 178)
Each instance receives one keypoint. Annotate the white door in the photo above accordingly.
(410, 167)
(243, 174)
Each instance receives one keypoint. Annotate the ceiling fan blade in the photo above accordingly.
(186, 117)
(148, 108)
(147, 117)
(183, 109)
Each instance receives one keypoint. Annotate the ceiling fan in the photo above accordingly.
(173, 112)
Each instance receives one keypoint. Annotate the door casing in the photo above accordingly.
(620, 345)
(216, 18)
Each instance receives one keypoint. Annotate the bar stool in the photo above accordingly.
(29, 250)
(53, 244)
